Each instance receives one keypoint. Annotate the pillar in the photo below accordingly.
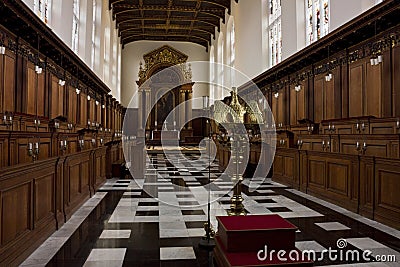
(190, 103)
(182, 111)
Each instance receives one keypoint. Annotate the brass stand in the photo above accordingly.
(237, 154)
(237, 208)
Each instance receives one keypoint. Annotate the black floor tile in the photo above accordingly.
(146, 213)
(193, 212)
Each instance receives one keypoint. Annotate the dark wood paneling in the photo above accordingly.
(7, 70)
(356, 85)
(319, 99)
(373, 91)
(387, 198)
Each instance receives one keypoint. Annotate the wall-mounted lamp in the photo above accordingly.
(33, 148)
(38, 69)
(310, 128)
(299, 143)
(63, 144)
(360, 126)
(70, 126)
(2, 50)
(93, 141)
(77, 91)
(376, 59)
(88, 123)
(97, 103)
(61, 82)
(81, 143)
(276, 95)
(88, 97)
(297, 88)
(8, 119)
(103, 106)
(328, 76)
(331, 127)
(36, 123)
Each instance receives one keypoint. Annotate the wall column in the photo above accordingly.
(147, 108)
(140, 109)
(183, 108)
(190, 109)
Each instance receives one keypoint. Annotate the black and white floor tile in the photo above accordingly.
(158, 221)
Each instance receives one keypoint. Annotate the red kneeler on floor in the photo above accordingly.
(255, 240)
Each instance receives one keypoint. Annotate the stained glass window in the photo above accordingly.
(41, 9)
(317, 19)
(75, 26)
(275, 31)
(93, 34)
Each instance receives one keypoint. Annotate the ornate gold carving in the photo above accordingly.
(164, 56)
(236, 107)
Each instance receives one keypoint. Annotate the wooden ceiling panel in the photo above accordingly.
(170, 20)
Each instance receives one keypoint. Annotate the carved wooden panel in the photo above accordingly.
(31, 89)
(318, 99)
(293, 105)
(329, 98)
(57, 98)
(387, 198)
(367, 181)
(16, 212)
(44, 197)
(317, 173)
(396, 81)
(302, 103)
(7, 80)
(338, 177)
(356, 85)
(373, 91)
(72, 105)
(4, 150)
(278, 165)
(41, 95)
(83, 109)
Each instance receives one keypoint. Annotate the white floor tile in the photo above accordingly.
(115, 234)
(309, 245)
(332, 226)
(177, 253)
(107, 254)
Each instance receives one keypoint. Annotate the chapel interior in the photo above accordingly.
(199, 132)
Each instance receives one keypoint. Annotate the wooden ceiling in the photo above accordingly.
(168, 20)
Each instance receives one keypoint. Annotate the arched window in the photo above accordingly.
(93, 34)
(75, 25)
(220, 69)
(212, 75)
(275, 31)
(317, 19)
(42, 9)
(231, 49)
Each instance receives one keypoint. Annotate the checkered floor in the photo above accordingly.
(158, 221)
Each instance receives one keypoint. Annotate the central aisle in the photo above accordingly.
(139, 230)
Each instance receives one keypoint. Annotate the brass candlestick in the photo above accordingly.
(237, 156)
